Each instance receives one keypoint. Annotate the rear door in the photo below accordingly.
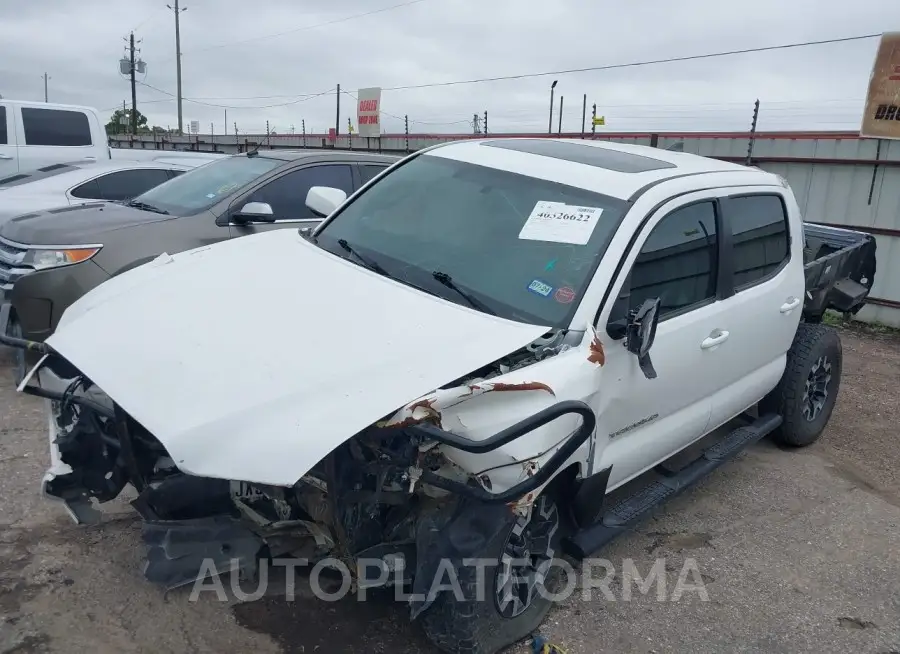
(48, 136)
(765, 298)
(286, 195)
(8, 157)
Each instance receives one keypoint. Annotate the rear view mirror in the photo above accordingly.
(640, 333)
(259, 212)
(322, 200)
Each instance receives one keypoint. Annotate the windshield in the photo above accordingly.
(200, 188)
(520, 247)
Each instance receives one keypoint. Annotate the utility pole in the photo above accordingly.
(133, 86)
(303, 127)
(406, 130)
(178, 11)
(124, 124)
(225, 124)
(559, 132)
(485, 121)
(337, 116)
(593, 120)
(268, 139)
(752, 133)
(45, 87)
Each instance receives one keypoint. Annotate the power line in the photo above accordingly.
(309, 27)
(306, 97)
(635, 64)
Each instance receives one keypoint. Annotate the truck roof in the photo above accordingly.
(615, 169)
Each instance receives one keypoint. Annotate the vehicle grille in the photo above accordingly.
(11, 267)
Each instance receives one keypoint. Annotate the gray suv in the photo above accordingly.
(51, 258)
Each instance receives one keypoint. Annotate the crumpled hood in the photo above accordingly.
(253, 358)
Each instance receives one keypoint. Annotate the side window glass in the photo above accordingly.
(3, 136)
(678, 262)
(287, 194)
(87, 191)
(760, 237)
(55, 127)
(127, 184)
(368, 171)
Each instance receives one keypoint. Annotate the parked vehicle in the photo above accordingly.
(141, 154)
(460, 364)
(47, 263)
(37, 134)
(62, 185)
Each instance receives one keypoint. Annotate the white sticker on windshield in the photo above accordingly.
(560, 223)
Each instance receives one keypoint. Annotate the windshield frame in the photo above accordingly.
(182, 212)
(433, 287)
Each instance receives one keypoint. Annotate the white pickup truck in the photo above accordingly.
(461, 363)
(36, 134)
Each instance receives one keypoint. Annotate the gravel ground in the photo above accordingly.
(797, 551)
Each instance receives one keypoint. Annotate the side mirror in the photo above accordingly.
(640, 333)
(255, 212)
(322, 200)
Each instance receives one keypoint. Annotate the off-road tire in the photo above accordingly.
(813, 344)
(477, 627)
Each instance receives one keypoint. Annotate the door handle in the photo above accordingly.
(712, 341)
(790, 305)
(5, 157)
(89, 158)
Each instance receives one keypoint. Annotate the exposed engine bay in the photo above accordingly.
(390, 491)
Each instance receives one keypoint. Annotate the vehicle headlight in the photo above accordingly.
(41, 258)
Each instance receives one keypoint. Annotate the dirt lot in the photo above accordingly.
(798, 551)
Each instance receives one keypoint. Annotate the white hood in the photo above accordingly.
(254, 358)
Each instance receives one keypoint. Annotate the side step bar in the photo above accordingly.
(623, 515)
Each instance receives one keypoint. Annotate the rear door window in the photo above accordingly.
(368, 171)
(760, 237)
(3, 137)
(56, 127)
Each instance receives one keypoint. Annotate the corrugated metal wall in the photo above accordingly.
(838, 178)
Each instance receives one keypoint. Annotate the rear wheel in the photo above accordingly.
(808, 390)
(515, 597)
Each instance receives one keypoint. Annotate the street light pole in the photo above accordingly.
(550, 124)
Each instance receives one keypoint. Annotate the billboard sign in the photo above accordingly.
(881, 117)
(368, 112)
(194, 127)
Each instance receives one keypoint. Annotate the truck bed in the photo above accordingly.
(840, 270)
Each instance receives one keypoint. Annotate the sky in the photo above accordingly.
(280, 61)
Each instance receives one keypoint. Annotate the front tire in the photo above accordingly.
(808, 390)
(514, 600)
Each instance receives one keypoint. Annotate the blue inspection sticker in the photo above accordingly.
(541, 288)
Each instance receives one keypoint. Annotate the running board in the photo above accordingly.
(623, 515)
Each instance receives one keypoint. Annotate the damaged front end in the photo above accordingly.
(424, 484)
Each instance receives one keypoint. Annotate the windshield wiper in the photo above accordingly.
(371, 265)
(475, 303)
(143, 206)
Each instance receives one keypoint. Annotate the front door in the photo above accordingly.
(675, 258)
(287, 197)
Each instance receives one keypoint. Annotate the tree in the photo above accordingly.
(115, 126)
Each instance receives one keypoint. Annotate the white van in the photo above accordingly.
(35, 134)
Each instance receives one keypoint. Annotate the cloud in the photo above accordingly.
(270, 78)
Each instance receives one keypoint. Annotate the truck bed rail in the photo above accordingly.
(839, 268)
